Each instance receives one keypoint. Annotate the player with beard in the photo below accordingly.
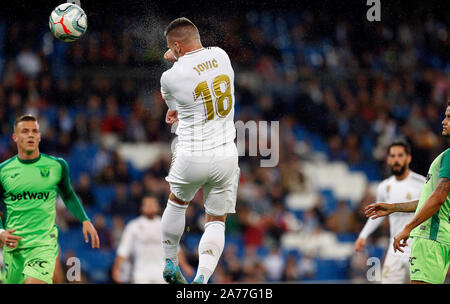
(403, 185)
(430, 226)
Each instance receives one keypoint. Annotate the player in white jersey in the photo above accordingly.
(199, 91)
(403, 185)
(141, 244)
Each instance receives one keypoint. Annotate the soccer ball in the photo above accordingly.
(68, 22)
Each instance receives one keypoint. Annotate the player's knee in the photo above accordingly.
(214, 218)
(31, 280)
(176, 200)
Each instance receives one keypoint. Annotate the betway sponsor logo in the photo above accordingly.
(29, 195)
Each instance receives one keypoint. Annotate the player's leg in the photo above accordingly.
(13, 263)
(40, 264)
(394, 269)
(210, 247)
(172, 227)
(31, 280)
(428, 263)
(219, 196)
(58, 274)
(186, 176)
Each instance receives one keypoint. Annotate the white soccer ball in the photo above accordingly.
(68, 22)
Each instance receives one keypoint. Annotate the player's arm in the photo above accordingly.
(7, 237)
(369, 228)
(371, 225)
(123, 252)
(430, 207)
(73, 204)
(169, 56)
(116, 268)
(383, 209)
(2, 227)
(433, 203)
(172, 113)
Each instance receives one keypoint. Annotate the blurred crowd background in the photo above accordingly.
(341, 87)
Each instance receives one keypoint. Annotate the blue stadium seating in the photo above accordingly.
(331, 269)
(347, 237)
(104, 195)
(96, 264)
(330, 201)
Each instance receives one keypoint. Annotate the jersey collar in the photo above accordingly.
(29, 161)
(194, 51)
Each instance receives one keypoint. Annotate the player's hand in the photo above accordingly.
(169, 56)
(171, 116)
(401, 238)
(116, 275)
(378, 210)
(359, 244)
(88, 229)
(9, 239)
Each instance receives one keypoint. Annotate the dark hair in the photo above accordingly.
(26, 117)
(448, 103)
(177, 23)
(401, 143)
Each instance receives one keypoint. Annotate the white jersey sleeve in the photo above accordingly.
(166, 95)
(126, 242)
(371, 225)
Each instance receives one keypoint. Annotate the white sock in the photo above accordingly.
(172, 227)
(210, 249)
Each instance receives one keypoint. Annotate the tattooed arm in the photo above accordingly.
(433, 203)
(430, 207)
(382, 209)
(406, 207)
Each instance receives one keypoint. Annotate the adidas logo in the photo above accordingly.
(209, 251)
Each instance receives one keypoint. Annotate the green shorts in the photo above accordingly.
(36, 262)
(429, 261)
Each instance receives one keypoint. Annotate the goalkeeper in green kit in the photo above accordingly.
(430, 227)
(29, 185)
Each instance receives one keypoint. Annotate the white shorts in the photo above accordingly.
(216, 171)
(395, 268)
(146, 279)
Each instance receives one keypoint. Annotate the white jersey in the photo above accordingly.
(200, 86)
(141, 241)
(392, 190)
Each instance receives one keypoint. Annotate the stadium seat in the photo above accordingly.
(96, 265)
(301, 200)
(330, 201)
(103, 195)
(331, 270)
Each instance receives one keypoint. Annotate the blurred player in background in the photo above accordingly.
(141, 242)
(199, 91)
(29, 185)
(405, 185)
(430, 226)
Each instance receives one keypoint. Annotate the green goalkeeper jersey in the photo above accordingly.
(437, 227)
(29, 189)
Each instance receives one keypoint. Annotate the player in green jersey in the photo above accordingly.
(430, 227)
(29, 185)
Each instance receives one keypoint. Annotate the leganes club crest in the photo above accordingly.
(45, 172)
